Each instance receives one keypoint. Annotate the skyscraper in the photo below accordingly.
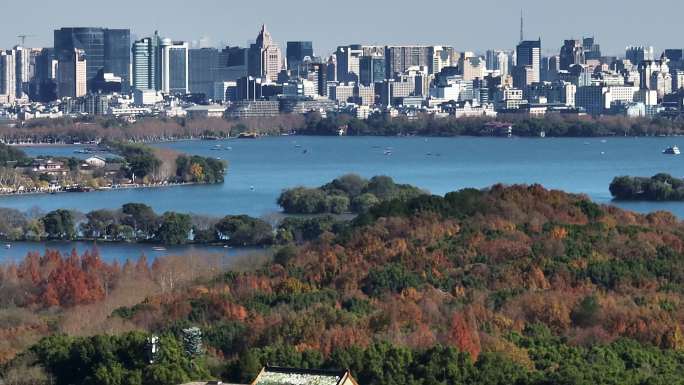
(72, 75)
(8, 85)
(265, 57)
(571, 53)
(43, 84)
(203, 64)
(107, 51)
(528, 63)
(400, 58)
(297, 51)
(497, 60)
(25, 61)
(592, 51)
(174, 66)
(347, 62)
(146, 66)
(639, 54)
(372, 70)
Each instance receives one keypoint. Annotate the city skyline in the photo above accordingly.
(218, 24)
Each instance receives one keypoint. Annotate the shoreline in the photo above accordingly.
(126, 187)
(181, 139)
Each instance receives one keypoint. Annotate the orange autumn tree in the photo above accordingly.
(464, 335)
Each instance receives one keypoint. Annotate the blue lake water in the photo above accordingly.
(120, 251)
(260, 169)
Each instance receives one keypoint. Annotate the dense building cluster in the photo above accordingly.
(99, 71)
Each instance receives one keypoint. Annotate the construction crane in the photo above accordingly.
(23, 38)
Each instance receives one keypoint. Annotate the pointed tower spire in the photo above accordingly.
(522, 26)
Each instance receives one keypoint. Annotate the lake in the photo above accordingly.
(260, 169)
(121, 251)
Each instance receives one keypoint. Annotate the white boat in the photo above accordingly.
(8, 246)
(159, 248)
(674, 150)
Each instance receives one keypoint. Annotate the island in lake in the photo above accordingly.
(660, 187)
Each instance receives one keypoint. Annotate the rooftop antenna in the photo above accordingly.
(522, 26)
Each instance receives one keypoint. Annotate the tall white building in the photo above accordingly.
(497, 60)
(25, 64)
(8, 71)
(174, 66)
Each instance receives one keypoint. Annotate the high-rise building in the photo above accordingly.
(297, 51)
(636, 55)
(571, 53)
(107, 51)
(8, 72)
(146, 66)
(265, 59)
(400, 58)
(203, 64)
(592, 51)
(442, 57)
(174, 67)
(43, 85)
(371, 70)
(232, 64)
(117, 55)
(472, 67)
(347, 59)
(528, 63)
(25, 62)
(674, 54)
(497, 60)
(72, 75)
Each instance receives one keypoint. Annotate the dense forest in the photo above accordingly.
(506, 285)
(660, 187)
(137, 222)
(91, 129)
(348, 193)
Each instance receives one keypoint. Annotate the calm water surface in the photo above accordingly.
(121, 251)
(260, 169)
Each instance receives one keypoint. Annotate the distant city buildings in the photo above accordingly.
(106, 50)
(265, 57)
(100, 71)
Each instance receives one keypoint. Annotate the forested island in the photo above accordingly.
(131, 165)
(505, 285)
(660, 187)
(136, 222)
(95, 129)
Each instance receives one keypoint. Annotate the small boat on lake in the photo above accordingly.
(159, 248)
(674, 150)
(248, 135)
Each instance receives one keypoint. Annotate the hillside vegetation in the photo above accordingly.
(508, 285)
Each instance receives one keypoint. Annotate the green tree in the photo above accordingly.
(59, 224)
(174, 228)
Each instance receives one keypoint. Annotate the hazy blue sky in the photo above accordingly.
(467, 25)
